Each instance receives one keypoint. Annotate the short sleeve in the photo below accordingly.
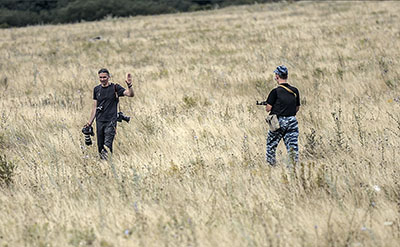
(94, 94)
(120, 90)
(272, 97)
(298, 98)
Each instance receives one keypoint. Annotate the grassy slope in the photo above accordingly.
(189, 169)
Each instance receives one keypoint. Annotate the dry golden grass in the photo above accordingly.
(189, 169)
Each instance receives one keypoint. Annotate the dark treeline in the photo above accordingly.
(18, 13)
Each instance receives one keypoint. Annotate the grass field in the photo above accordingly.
(189, 169)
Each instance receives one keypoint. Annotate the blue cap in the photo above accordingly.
(282, 71)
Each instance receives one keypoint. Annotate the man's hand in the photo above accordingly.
(268, 108)
(128, 79)
(129, 92)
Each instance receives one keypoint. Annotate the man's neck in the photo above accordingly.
(282, 82)
(105, 84)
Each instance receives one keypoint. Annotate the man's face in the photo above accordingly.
(103, 78)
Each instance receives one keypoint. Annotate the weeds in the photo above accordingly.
(319, 73)
(340, 67)
(397, 121)
(384, 69)
(4, 82)
(189, 102)
(197, 164)
(261, 86)
(313, 144)
(84, 237)
(339, 142)
(36, 234)
(360, 128)
(2, 141)
(7, 171)
(148, 125)
(246, 155)
(383, 143)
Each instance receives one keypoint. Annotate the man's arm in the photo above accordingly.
(92, 114)
(297, 101)
(271, 100)
(129, 92)
(268, 108)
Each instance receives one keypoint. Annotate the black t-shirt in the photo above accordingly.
(107, 101)
(283, 102)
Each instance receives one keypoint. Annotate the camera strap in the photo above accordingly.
(116, 95)
(115, 91)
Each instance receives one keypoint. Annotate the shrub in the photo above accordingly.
(7, 171)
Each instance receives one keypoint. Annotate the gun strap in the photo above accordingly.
(289, 90)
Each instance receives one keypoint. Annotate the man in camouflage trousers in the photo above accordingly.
(284, 101)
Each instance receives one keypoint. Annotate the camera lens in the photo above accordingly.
(88, 141)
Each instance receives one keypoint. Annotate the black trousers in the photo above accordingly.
(105, 134)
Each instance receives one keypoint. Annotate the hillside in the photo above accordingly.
(21, 13)
(189, 169)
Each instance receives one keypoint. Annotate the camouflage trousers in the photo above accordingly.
(289, 131)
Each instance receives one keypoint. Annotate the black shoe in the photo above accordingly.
(104, 155)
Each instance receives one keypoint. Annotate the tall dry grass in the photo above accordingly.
(189, 169)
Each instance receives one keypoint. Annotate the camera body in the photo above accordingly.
(121, 116)
(88, 131)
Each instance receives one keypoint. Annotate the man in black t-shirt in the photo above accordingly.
(105, 109)
(283, 101)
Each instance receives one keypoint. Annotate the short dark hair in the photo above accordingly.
(283, 76)
(103, 71)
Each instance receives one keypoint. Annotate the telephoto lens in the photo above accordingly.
(88, 131)
(88, 140)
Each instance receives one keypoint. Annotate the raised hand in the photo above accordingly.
(128, 79)
(129, 92)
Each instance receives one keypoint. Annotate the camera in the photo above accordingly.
(121, 116)
(88, 131)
